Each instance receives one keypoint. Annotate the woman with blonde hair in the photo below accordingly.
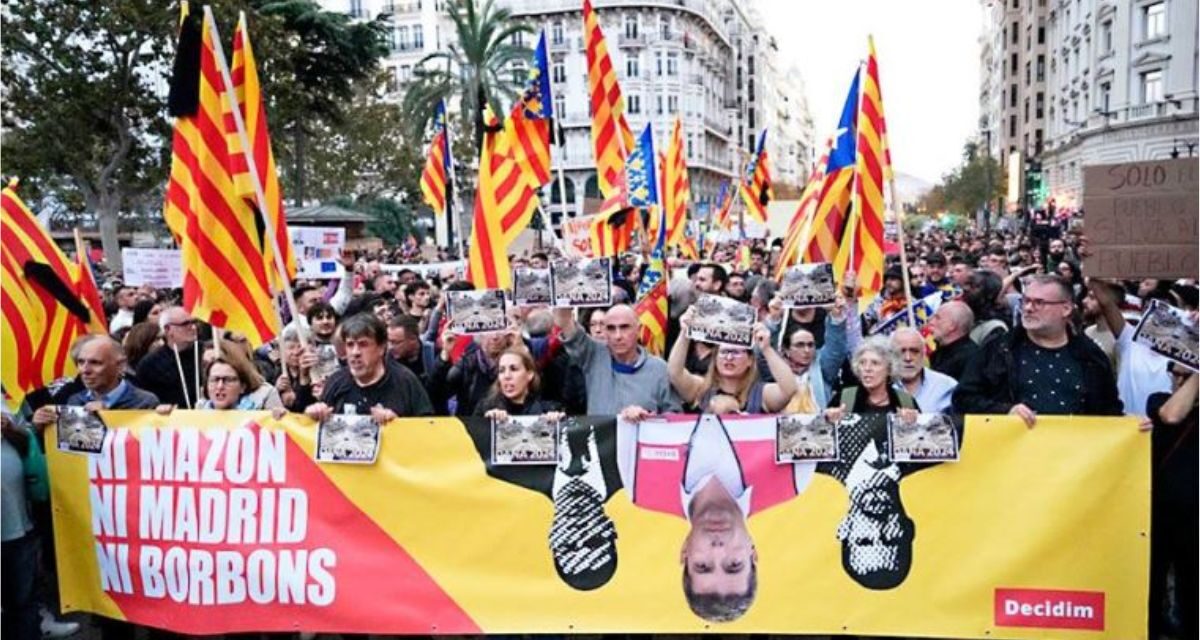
(732, 378)
(516, 390)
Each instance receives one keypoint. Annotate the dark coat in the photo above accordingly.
(988, 385)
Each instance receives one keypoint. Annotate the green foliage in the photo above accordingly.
(394, 220)
(475, 68)
(965, 190)
(84, 114)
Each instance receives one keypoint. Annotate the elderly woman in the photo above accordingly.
(732, 375)
(515, 392)
(874, 363)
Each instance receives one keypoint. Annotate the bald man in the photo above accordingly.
(951, 329)
(101, 363)
(621, 377)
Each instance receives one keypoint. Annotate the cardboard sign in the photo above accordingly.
(1142, 220)
(318, 251)
(577, 237)
(159, 268)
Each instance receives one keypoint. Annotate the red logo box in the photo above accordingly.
(1049, 609)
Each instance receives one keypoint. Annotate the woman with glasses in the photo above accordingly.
(732, 381)
(232, 382)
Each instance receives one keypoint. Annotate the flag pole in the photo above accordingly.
(453, 188)
(912, 322)
(252, 167)
(853, 220)
(559, 135)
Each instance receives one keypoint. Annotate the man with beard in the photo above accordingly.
(736, 287)
(931, 390)
(715, 472)
(890, 301)
(935, 278)
(370, 383)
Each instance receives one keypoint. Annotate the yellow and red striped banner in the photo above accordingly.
(226, 282)
(246, 87)
(433, 176)
(44, 306)
(677, 192)
(800, 228)
(873, 168)
(611, 137)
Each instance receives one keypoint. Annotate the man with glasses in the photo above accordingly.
(1041, 366)
(621, 376)
(173, 381)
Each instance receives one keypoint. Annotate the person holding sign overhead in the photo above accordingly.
(732, 374)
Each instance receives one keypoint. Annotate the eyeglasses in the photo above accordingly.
(1037, 303)
(731, 354)
(218, 381)
(185, 323)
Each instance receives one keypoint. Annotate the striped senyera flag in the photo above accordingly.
(756, 190)
(833, 203)
(651, 307)
(873, 167)
(800, 228)
(254, 113)
(435, 177)
(223, 248)
(611, 137)
(677, 192)
(528, 125)
(46, 303)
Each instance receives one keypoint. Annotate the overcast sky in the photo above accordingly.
(928, 56)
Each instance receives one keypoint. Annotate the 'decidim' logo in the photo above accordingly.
(1049, 609)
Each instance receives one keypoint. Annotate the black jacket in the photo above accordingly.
(988, 385)
(952, 359)
(158, 373)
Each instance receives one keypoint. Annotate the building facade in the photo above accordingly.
(710, 62)
(1122, 78)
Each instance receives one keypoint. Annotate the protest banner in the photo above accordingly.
(159, 268)
(319, 251)
(576, 233)
(1142, 220)
(221, 521)
(426, 269)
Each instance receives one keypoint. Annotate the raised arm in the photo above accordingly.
(1176, 409)
(580, 346)
(777, 394)
(688, 385)
(1109, 306)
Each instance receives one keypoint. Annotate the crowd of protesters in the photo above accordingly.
(1019, 331)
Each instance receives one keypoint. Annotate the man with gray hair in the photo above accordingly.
(931, 390)
(1041, 366)
(951, 328)
(173, 378)
(101, 363)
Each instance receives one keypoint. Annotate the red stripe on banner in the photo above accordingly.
(49, 253)
(21, 335)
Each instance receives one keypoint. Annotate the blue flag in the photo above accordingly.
(841, 155)
(537, 101)
(641, 178)
(655, 273)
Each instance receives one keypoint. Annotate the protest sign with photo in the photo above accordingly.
(808, 285)
(805, 438)
(318, 251)
(531, 286)
(525, 440)
(351, 439)
(80, 430)
(473, 312)
(327, 362)
(585, 282)
(1142, 220)
(1169, 332)
(158, 268)
(929, 438)
(722, 320)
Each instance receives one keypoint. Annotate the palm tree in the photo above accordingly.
(475, 68)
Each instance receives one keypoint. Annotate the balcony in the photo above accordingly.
(561, 45)
(1143, 111)
(635, 40)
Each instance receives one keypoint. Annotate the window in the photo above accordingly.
(559, 72)
(664, 27)
(631, 25)
(402, 42)
(658, 62)
(632, 67)
(556, 32)
(635, 103)
(405, 72)
(1012, 126)
(560, 107)
(1041, 38)
(1106, 39)
(1025, 114)
(750, 123)
(660, 105)
(1041, 68)
(1152, 86)
(689, 146)
(672, 64)
(1028, 37)
(1012, 64)
(418, 37)
(1015, 33)
(1012, 95)
(1039, 106)
(1028, 67)
(1038, 141)
(1016, 4)
(518, 39)
(356, 10)
(1105, 95)
(672, 104)
(1155, 18)
(519, 74)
